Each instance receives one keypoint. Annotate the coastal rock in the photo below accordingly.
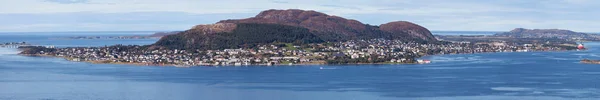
(587, 61)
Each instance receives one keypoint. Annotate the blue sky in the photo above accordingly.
(165, 15)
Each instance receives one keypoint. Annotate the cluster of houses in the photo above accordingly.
(388, 51)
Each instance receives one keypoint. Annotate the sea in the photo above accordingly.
(485, 76)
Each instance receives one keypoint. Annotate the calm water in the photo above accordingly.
(57, 38)
(495, 76)
(464, 32)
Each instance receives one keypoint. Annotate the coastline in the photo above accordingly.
(176, 65)
(97, 62)
(342, 53)
(495, 52)
(276, 65)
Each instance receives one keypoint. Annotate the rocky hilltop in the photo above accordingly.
(412, 29)
(289, 26)
(549, 33)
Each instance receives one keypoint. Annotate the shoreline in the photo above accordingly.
(495, 52)
(176, 65)
(588, 61)
(96, 62)
(275, 65)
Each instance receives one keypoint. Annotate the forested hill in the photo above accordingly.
(288, 26)
(245, 35)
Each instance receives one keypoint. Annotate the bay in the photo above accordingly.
(489, 76)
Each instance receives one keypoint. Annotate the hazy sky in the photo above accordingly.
(159, 15)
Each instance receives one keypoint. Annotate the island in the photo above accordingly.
(13, 44)
(550, 33)
(295, 37)
(156, 35)
(555, 36)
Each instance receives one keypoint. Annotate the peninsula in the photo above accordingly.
(287, 37)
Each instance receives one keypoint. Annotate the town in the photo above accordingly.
(374, 51)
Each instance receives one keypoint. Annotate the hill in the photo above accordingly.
(549, 33)
(244, 35)
(289, 26)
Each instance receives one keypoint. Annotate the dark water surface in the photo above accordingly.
(496, 76)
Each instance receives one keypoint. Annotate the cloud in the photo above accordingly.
(67, 1)
(28, 26)
(93, 21)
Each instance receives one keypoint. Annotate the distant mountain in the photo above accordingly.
(549, 33)
(289, 26)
